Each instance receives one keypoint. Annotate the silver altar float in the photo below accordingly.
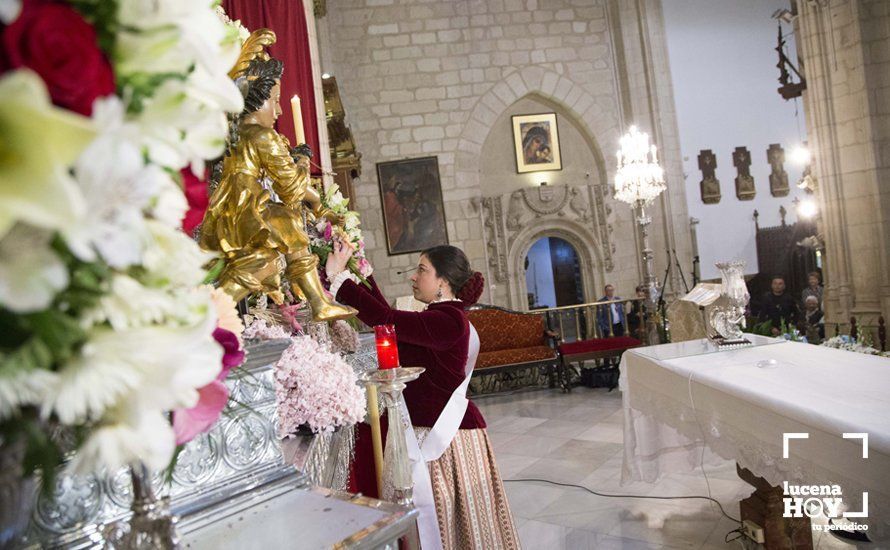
(231, 475)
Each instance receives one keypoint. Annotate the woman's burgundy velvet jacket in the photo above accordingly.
(436, 339)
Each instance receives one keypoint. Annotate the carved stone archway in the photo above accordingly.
(514, 221)
(575, 234)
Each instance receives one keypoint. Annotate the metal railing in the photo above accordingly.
(585, 321)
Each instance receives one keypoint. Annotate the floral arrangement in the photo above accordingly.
(314, 387)
(344, 338)
(109, 112)
(322, 233)
(848, 343)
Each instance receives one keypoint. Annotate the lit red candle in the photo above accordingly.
(387, 348)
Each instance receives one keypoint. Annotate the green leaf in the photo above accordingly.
(214, 271)
(58, 331)
(41, 454)
(33, 354)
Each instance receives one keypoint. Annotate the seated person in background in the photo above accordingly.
(814, 288)
(812, 324)
(610, 318)
(778, 306)
(639, 314)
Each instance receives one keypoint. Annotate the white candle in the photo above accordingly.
(654, 159)
(298, 121)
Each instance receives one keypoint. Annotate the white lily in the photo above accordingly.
(38, 144)
(118, 186)
(130, 304)
(30, 272)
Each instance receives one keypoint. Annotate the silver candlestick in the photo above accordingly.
(151, 527)
(390, 383)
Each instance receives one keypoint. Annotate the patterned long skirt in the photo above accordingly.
(471, 503)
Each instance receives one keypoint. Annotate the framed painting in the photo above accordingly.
(413, 210)
(536, 140)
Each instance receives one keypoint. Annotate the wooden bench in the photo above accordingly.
(511, 341)
(592, 349)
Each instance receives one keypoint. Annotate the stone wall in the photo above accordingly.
(422, 78)
(845, 50)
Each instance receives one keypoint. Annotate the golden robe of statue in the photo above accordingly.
(250, 229)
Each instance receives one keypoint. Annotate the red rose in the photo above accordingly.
(196, 194)
(54, 41)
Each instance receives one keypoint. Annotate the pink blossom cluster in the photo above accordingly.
(344, 337)
(317, 388)
(259, 329)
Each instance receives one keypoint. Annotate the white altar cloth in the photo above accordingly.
(677, 396)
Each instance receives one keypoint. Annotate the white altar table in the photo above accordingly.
(739, 403)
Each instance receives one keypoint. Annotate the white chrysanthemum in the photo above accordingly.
(174, 258)
(165, 365)
(93, 380)
(23, 388)
(139, 435)
(30, 272)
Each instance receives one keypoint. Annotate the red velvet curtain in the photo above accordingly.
(288, 20)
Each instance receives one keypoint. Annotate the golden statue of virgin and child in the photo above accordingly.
(255, 216)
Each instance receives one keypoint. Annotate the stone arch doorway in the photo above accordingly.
(553, 274)
(580, 238)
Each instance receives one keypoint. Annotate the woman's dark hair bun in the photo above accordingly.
(471, 291)
(452, 265)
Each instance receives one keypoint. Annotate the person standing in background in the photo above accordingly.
(814, 288)
(610, 318)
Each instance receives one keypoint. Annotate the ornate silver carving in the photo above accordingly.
(245, 439)
(198, 461)
(75, 500)
(237, 454)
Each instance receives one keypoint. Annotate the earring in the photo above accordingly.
(439, 294)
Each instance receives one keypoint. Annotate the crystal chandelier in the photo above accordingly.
(639, 179)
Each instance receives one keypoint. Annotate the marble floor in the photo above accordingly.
(577, 438)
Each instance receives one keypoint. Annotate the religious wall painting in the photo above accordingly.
(778, 178)
(413, 209)
(536, 143)
(709, 184)
(744, 182)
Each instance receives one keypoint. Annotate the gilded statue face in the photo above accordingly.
(271, 109)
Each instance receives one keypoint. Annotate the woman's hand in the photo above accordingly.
(340, 256)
